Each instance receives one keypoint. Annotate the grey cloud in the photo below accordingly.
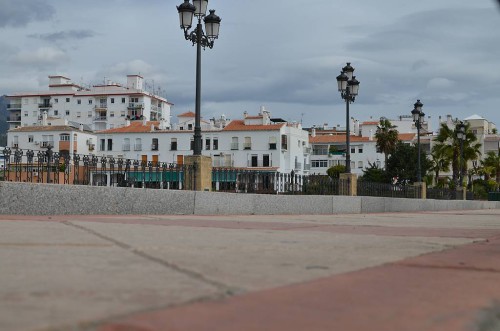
(21, 12)
(64, 35)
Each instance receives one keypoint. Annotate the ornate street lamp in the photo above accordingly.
(418, 117)
(461, 136)
(348, 87)
(202, 39)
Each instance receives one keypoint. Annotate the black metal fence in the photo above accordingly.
(266, 182)
(388, 190)
(62, 168)
(443, 194)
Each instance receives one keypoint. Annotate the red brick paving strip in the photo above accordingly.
(443, 291)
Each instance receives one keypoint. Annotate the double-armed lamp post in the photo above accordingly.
(418, 117)
(202, 39)
(348, 87)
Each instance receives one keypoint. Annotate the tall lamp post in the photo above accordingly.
(202, 39)
(348, 87)
(418, 118)
(461, 137)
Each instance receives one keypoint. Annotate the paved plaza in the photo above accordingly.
(387, 271)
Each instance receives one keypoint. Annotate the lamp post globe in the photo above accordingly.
(348, 86)
(201, 39)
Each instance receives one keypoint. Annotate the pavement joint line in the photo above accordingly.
(227, 290)
(446, 267)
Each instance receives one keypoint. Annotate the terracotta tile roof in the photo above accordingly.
(239, 125)
(187, 114)
(370, 123)
(406, 136)
(134, 127)
(336, 139)
(45, 128)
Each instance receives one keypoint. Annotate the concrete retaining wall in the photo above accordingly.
(47, 199)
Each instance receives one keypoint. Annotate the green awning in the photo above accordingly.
(146, 176)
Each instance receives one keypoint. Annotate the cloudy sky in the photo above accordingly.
(283, 55)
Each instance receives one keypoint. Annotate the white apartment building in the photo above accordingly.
(62, 136)
(101, 107)
(254, 143)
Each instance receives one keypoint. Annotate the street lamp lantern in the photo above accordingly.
(212, 25)
(186, 12)
(201, 7)
(348, 86)
(418, 105)
(202, 39)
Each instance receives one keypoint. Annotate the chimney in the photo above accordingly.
(313, 132)
(371, 135)
(144, 120)
(325, 126)
(81, 127)
(245, 114)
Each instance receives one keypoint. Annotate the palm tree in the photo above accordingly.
(447, 140)
(440, 160)
(387, 138)
(492, 162)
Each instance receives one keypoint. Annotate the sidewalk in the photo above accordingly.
(412, 271)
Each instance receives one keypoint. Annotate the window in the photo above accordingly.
(30, 139)
(207, 144)
(138, 144)
(360, 164)
(110, 144)
(248, 143)
(102, 145)
(353, 150)
(123, 100)
(25, 114)
(67, 112)
(56, 100)
(173, 144)
(67, 100)
(319, 164)
(216, 144)
(112, 114)
(191, 145)
(89, 114)
(234, 144)
(266, 160)
(90, 101)
(64, 137)
(272, 143)
(56, 112)
(79, 101)
(78, 114)
(254, 161)
(360, 150)
(320, 149)
(190, 126)
(126, 144)
(284, 142)
(112, 100)
(122, 113)
(154, 144)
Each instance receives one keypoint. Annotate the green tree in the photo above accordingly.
(374, 174)
(447, 140)
(440, 160)
(492, 163)
(387, 138)
(403, 163)
(335, 171)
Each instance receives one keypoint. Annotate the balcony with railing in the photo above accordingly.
(44, 105)
(101, 106)
(234, 146)
(14, 118)
(138, 147)
(46, 144)
(247, 146)
(126, 147)
(14, 106)
(154, 147)
(136, 105)
(101, 118)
